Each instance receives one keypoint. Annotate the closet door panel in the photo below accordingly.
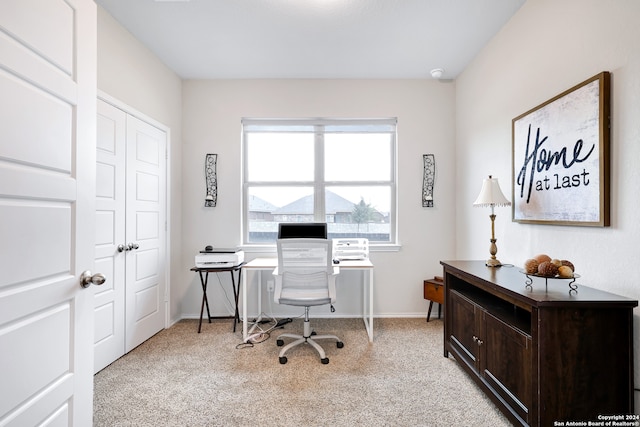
(146, 219)
(109, 327)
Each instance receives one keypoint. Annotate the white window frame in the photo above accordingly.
(319, 183)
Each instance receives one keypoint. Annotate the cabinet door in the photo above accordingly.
(465, 328)
(506, 364)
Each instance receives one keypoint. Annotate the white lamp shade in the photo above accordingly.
(490, 194)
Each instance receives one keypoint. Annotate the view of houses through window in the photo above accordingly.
(341, 172)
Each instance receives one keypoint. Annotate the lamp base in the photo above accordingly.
(492, 262)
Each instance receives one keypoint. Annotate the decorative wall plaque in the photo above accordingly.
(428, 179)
(210, 173)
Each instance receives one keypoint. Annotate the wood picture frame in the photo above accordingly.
(560, 157)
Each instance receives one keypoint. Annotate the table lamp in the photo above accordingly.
(491, 195)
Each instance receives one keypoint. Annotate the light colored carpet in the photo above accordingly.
(182, 378)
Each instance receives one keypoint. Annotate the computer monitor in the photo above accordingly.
(302, 230)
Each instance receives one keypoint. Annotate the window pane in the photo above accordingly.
(275, 157)
(358, 157)
(346, 166)
(362, 211)
(269, 206)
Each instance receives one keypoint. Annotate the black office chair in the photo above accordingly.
(305, 277)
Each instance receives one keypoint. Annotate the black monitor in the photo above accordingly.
(302, 230)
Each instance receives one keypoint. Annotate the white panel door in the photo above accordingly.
(130, 232)
(47, 220)
(145, 231)
(109, 330)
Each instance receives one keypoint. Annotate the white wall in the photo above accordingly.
(548, 47)
(129, 72)
(425, 111)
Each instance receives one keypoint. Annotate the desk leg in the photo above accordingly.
(205, 301)
(245, 314)
(371, 305)
(259, 297)
(236, 294)
(368, 317)
(259, 316)
(245, 326)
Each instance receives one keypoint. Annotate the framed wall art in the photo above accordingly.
(561, 158)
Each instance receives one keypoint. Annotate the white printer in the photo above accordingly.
(219, 257)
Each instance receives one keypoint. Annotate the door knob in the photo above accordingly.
(133, 246)
(122, 248)
(87, 279)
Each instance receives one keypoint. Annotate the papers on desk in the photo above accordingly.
(351, 249)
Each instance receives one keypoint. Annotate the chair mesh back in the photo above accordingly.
(305, 266)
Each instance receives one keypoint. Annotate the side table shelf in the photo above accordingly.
(434, 292)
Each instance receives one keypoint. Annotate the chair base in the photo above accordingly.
(306, 338)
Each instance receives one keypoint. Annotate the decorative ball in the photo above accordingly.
(531, 266)
(565, 271)
(568, 264)
(556, 262)
(547, 269)
(542, 258)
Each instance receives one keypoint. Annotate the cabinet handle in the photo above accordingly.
(480, 342)
(475, 338)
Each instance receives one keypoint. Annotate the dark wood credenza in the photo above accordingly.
(542, 354)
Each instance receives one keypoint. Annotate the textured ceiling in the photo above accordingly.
(208, 39)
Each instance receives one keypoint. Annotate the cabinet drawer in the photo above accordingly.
(434, 291)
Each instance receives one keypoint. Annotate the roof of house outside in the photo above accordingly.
(333, 204)
(256, 204)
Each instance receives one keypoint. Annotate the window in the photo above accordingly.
(340, 171)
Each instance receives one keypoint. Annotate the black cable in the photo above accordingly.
(283, 322)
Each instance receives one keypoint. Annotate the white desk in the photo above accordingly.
(269, 264)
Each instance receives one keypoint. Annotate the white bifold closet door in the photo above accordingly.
(130, 233)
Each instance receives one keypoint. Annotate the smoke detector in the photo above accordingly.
(436, 73)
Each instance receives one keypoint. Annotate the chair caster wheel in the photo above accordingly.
(280, 343)
(339, 344)
(313, 333)
(325, 360)
(283, 360)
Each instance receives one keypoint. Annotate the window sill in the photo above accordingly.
(268, 249)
